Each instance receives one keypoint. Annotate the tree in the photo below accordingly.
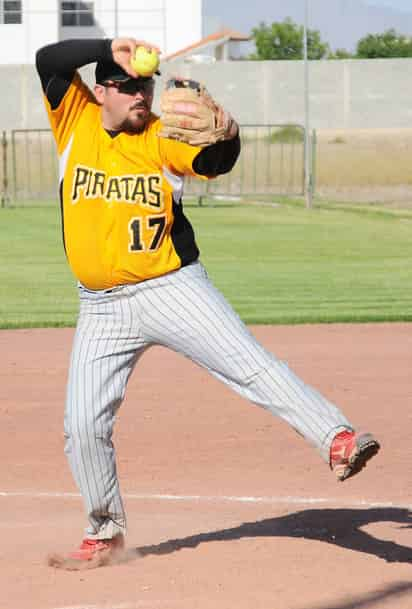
(340, 54)
(284, 40)
(388, 44)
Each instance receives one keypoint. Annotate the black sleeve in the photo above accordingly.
(218, 158)
(57, 63)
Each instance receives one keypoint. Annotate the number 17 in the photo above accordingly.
(155, 223)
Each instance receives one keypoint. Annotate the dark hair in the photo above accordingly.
(110, 70)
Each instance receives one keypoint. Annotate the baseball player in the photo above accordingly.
(140, 280)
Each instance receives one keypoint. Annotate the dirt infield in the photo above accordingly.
(227, 506)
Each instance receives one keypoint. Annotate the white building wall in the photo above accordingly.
(170, 24)
(143, 20)
(40, 21)
(19, 42)
(183, 24)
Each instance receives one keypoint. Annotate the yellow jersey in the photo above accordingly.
(122, 216)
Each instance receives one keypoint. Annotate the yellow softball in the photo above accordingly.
(145, 62)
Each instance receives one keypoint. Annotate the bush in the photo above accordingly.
(289, 134)
(338, 140)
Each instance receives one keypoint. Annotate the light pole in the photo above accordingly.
(307, 170)
(116, 20)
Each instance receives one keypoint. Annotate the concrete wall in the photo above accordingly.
(348, 94)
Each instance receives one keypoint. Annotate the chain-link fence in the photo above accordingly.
(271, 162)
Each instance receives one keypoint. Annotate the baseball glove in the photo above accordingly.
(189, 114)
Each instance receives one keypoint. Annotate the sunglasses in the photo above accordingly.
(131, 86)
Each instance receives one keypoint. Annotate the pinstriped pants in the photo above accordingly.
(185, 312)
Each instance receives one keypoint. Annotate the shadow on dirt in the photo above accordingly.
(340, 527)
(372, 599)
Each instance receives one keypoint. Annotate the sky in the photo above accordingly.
(402, 5)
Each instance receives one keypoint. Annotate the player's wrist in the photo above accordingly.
(232, 128)
(228, 123)
(107, 49)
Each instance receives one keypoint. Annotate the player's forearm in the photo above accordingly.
(218, 158)
(62, 59)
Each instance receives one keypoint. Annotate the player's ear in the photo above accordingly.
(99, 93)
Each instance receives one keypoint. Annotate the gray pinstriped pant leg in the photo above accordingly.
(208, 331)
(182, 311)
(105, 351)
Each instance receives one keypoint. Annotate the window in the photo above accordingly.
(77, 13)
(10, 11)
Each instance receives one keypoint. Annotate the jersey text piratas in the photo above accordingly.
(138, 189)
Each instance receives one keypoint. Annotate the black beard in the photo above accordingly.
(131, 127)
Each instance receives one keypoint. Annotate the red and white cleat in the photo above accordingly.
(350, 451)
(92, 553)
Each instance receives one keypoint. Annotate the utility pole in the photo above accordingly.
(116, 19)
(308, 150)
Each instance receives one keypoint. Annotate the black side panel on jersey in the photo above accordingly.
(62, 214)
(183, 237)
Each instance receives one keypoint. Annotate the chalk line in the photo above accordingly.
(269, 500)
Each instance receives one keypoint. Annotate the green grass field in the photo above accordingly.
(282, 264)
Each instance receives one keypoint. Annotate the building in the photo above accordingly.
(26, 25)
(223, 45)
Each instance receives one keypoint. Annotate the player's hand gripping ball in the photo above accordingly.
(145, 61)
